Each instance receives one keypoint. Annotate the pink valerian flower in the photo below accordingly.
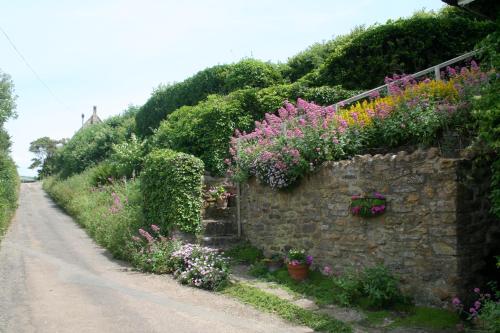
(456, 302)
(374, 95)
(477, 305)
(327, 271)
(378, 195)
(146, 235)
(477, 290)
(155, 228)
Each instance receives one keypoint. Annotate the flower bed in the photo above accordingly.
(287, 145)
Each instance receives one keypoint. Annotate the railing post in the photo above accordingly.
(437, 73)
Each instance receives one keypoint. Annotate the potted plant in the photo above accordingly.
(274, 262)
(220, 195)
(368, 206)
(298, 263)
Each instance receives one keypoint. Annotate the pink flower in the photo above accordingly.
(456, 301)
(155, 228)
(477, 290)
(327, 271)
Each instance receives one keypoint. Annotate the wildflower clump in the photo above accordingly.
(298, 138)
(200, 267)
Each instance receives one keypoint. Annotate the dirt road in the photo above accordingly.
(54, 278)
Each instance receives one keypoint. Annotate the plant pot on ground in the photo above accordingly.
(298, 263)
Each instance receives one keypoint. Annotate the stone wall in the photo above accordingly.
(422, 237)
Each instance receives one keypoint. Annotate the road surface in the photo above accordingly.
(54, 278)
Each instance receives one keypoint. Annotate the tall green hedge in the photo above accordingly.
(402, 46)
(204, 130)
(220, 79)
(171, 185)
(9, 190)
(94, 143)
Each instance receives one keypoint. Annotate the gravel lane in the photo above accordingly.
(54, 278)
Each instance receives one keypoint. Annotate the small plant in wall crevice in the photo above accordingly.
(368, 206)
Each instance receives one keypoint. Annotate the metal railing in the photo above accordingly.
(437, 75)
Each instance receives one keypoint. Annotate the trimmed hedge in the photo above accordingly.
(402, 46)
(204, 130)
(9, 190)
(220, 79)
(171, 186)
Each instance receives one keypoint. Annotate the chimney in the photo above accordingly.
(95, 110)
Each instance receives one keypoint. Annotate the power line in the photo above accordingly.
(32, 69)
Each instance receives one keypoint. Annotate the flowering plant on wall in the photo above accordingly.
(298, 138)
(367, 206)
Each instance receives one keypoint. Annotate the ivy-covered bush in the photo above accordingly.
(221, 79)
(402, 46)
(171, 186)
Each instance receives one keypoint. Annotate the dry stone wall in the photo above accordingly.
(422, 236)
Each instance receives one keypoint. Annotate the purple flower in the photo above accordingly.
(309, 260)
(477, 290)
(327, 271)
(355, 210)
(456, 301)
(477, 305)
(378, 195)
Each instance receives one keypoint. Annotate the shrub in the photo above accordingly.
(402, 46)
(127, 157)
(204, 129)
(286, 146)
(200, 267)
(152, 252)
(9, 190)
(93, 144)
(220, 79)
(171, 185)
(379, 287)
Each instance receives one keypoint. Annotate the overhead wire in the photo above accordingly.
(39, 78)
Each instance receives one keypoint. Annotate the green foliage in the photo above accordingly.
(245, 254)
(94, 143)
(285, 309)
(110, 214)
(379, 287)
(251, 73)
(44, 149)
(127, 157)
(103, 174)
(155, 253)
(9, 190)
(171, 185)
(7, 98)
(220, 79)
(489, 316)
(204, 130)
(487, 115)
(402, 46)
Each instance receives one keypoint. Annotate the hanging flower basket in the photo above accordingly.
(368, 206)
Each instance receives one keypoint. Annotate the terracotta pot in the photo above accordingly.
(298, 272)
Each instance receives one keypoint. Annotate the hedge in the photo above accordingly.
(204, 130)
(9, 190)
(402, 46)
(220, 79)
(171, 186)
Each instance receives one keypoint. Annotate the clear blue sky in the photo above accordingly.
(113, 53)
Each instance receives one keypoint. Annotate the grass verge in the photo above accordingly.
(286, 310)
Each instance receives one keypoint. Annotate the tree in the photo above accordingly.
(44, 149)
(7, 98)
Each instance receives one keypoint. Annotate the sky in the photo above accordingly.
(114, 53)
